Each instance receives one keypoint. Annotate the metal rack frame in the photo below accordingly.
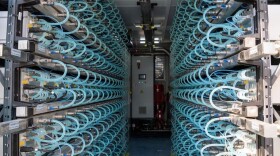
(12, 62)
(264, 79)
(265, 145)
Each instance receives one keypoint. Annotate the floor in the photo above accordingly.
(149, 146)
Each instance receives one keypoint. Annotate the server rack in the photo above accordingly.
(12, 62)
(16, 59)
(262, 63)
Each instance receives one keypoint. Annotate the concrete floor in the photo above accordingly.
(150, 146)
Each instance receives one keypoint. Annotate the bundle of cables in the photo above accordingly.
(101, 130)
(102, 42)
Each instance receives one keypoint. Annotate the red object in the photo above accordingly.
(159, 94)
(159, 105)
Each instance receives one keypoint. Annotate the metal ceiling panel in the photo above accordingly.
(161, 14)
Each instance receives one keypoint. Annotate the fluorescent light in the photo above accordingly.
(138, 26)
(156, 42)
(157, 25)
(142, 42)
(156, 39)
(142, 39)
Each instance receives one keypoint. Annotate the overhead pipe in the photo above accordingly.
(162, 49)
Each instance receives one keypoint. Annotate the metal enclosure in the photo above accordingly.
(274, 24)
(164, 81)
(3, 30)
(142, 86)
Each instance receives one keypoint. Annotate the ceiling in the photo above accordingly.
(162, 14)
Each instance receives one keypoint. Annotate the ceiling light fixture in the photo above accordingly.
(138, 26)
(156, 42)
(142, 42)
(157, 25)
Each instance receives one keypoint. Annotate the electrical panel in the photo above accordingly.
(142, 87)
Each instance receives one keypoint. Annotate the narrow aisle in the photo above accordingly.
(150, 146)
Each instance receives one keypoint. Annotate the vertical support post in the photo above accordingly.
(265, 144)
(8, 85)
(7, 149)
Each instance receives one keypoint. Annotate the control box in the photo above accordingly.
(142, 87)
